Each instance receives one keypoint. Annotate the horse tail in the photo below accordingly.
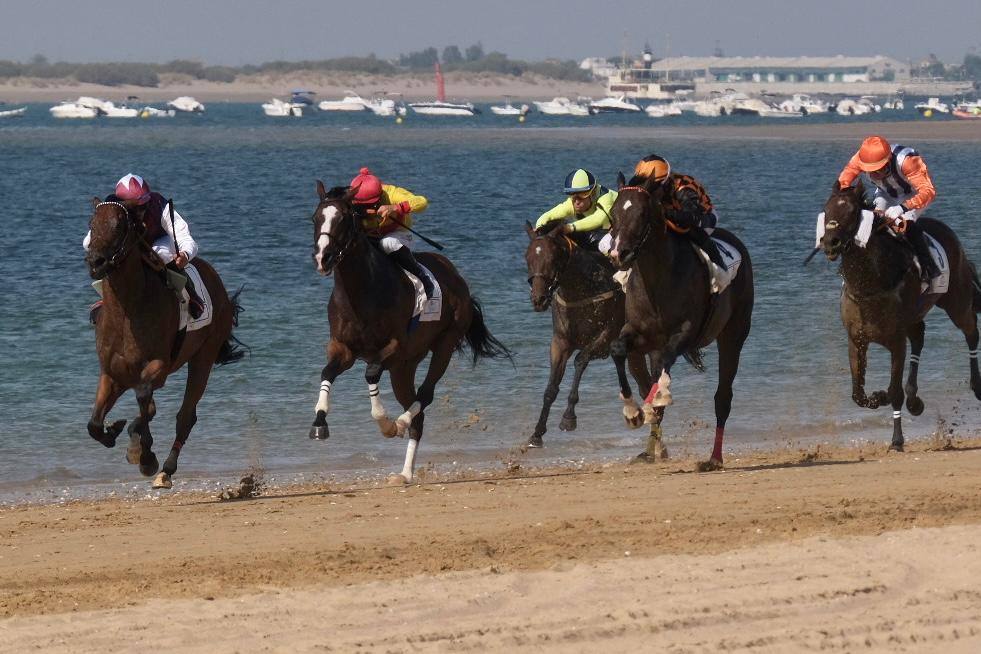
(482, 343)
(233, 350)
(694, 357)
(975, 288)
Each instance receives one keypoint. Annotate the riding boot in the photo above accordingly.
(404, 259)
(588, 240)
(702, 240)
(195, 306)
(918, 240)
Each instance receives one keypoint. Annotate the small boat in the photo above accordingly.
(968, 114)
(13, 113)
(351, 102)
(933, 105)
(186, 104)
(895, 104)
(440, 107)
(613, 105)
(509, 109)
(279, 108)
(382, 105)
(73, 109)
(860, 107)
(662, 110)
(804, 104)
(561, 106)
(153, 112)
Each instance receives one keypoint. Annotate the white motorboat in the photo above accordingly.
(111, 110)
(933, 105)
(350, 102)
(153, 112)
(509, 109)
(896, 104)
(613, 104)
(662, 110)
(279, 108)
(860, 107)
(73, 110)
(440, 107)
(13, 113)
(382, 105)
(804, 104)
(186, 104)
(561, 106)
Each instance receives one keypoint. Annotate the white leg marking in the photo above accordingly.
(410, 459)
(630, 408)
(404, 420)
(323, 403)
(378, 413)
(896, 415)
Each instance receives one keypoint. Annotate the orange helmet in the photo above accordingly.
(874, 154)
(653, 165)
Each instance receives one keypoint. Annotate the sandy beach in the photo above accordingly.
(832, 548)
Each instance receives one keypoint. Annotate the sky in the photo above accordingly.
(235, 32)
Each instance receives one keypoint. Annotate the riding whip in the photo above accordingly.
(430, 241)
(811, 255)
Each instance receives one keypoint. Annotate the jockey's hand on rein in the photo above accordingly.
(180, 260)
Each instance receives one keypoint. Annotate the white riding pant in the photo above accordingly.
(396, 241)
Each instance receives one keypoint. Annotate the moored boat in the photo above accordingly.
(13, 113)
(350, 102)
(278, 108)
(186, 104)
(440, 107)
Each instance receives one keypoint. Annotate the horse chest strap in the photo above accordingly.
(590, 300)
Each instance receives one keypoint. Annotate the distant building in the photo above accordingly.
(600, 67)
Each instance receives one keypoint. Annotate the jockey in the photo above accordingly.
(175, 248)
(588, 203)
(385, 214)
(686, 204)
(903, 189)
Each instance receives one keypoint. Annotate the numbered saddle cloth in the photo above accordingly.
(431, 309)
(720, 278)
(207, 311)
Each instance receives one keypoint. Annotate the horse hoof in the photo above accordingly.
(388, 428)
(536, 442)
(134, 452)
(568, 424)
(643, 457)
(396, 480)
(150, 469)
(162, 481)
(710, 466)
(634, 422)
(914, 405)
(895, 447)
(320, 433)
(660, 452)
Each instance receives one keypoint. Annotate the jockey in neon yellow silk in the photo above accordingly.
(586, 212)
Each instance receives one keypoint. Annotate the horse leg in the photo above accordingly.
(105, 398)
(896, 395)
(339, 359)
(618, 351)
(857, 361)
(403, 386)
(198, 371)
(971, 335)
(656, 451)
(372, 375)
(559, 356)
(730, 342)
(915, 335)
(140, 450)
(568, 422)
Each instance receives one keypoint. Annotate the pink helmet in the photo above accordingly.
(133, 187)
(369, 187)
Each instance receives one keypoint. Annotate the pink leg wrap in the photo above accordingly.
(717, 450)
(650, 396)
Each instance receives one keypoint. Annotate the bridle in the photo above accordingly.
(648, 224)
(346, 248)
(553, 285)
(130, 238)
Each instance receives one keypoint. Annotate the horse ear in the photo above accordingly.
(321, 191)
(860, 189)
(96, 201)
(529, 230)
(621, 180)
(351, 192)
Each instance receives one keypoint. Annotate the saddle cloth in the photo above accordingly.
(938, 286)
(721, 278)
(426, 310)
(186, 322)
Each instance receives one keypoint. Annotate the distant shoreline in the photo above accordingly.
(260, 88)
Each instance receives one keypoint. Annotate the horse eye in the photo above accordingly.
(530, 282)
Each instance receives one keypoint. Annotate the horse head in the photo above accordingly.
(547, 256)
(335, 226)
(636, 216)
(114, 229)
(842, 217)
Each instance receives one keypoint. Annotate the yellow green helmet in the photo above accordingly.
(579, 181)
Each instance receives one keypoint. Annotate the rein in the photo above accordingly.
(648, 225)
(125, 246)
(554, 284)
(345, 249)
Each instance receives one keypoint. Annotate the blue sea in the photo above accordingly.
(246, 184)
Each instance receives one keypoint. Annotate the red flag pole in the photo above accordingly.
(440, 87)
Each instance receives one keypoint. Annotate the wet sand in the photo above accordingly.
(831, 548)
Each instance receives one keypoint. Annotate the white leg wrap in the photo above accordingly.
(404, 420)
(973, 354)
(914, 358)
(323, 403)
(377, 408)
(663, 395)
(410, 459)
(896, 415)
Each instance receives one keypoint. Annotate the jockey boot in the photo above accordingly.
(588, 240)
(195, 307)
(918, 240)
(702, 240)
(404, 259)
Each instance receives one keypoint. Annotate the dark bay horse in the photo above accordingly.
(587, 315)
(136, 335)
(881, 301)
(370, 310)
(670, 311)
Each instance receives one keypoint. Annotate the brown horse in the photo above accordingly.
(670, 311)
(587, 315)
(370, 314)
(882, 302)
(137, 336)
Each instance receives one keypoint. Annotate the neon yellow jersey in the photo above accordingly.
(598, 216)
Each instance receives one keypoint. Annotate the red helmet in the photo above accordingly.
(369, 187)
(133, 187)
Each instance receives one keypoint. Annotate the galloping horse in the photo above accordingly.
(587, 315)
(370, 311)
(669, 309)
(137, 336)
(882, 302)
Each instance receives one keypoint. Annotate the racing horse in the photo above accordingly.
(138, 339)
(371, 318)
(670, 311)
(882, 301)
(587, 315)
